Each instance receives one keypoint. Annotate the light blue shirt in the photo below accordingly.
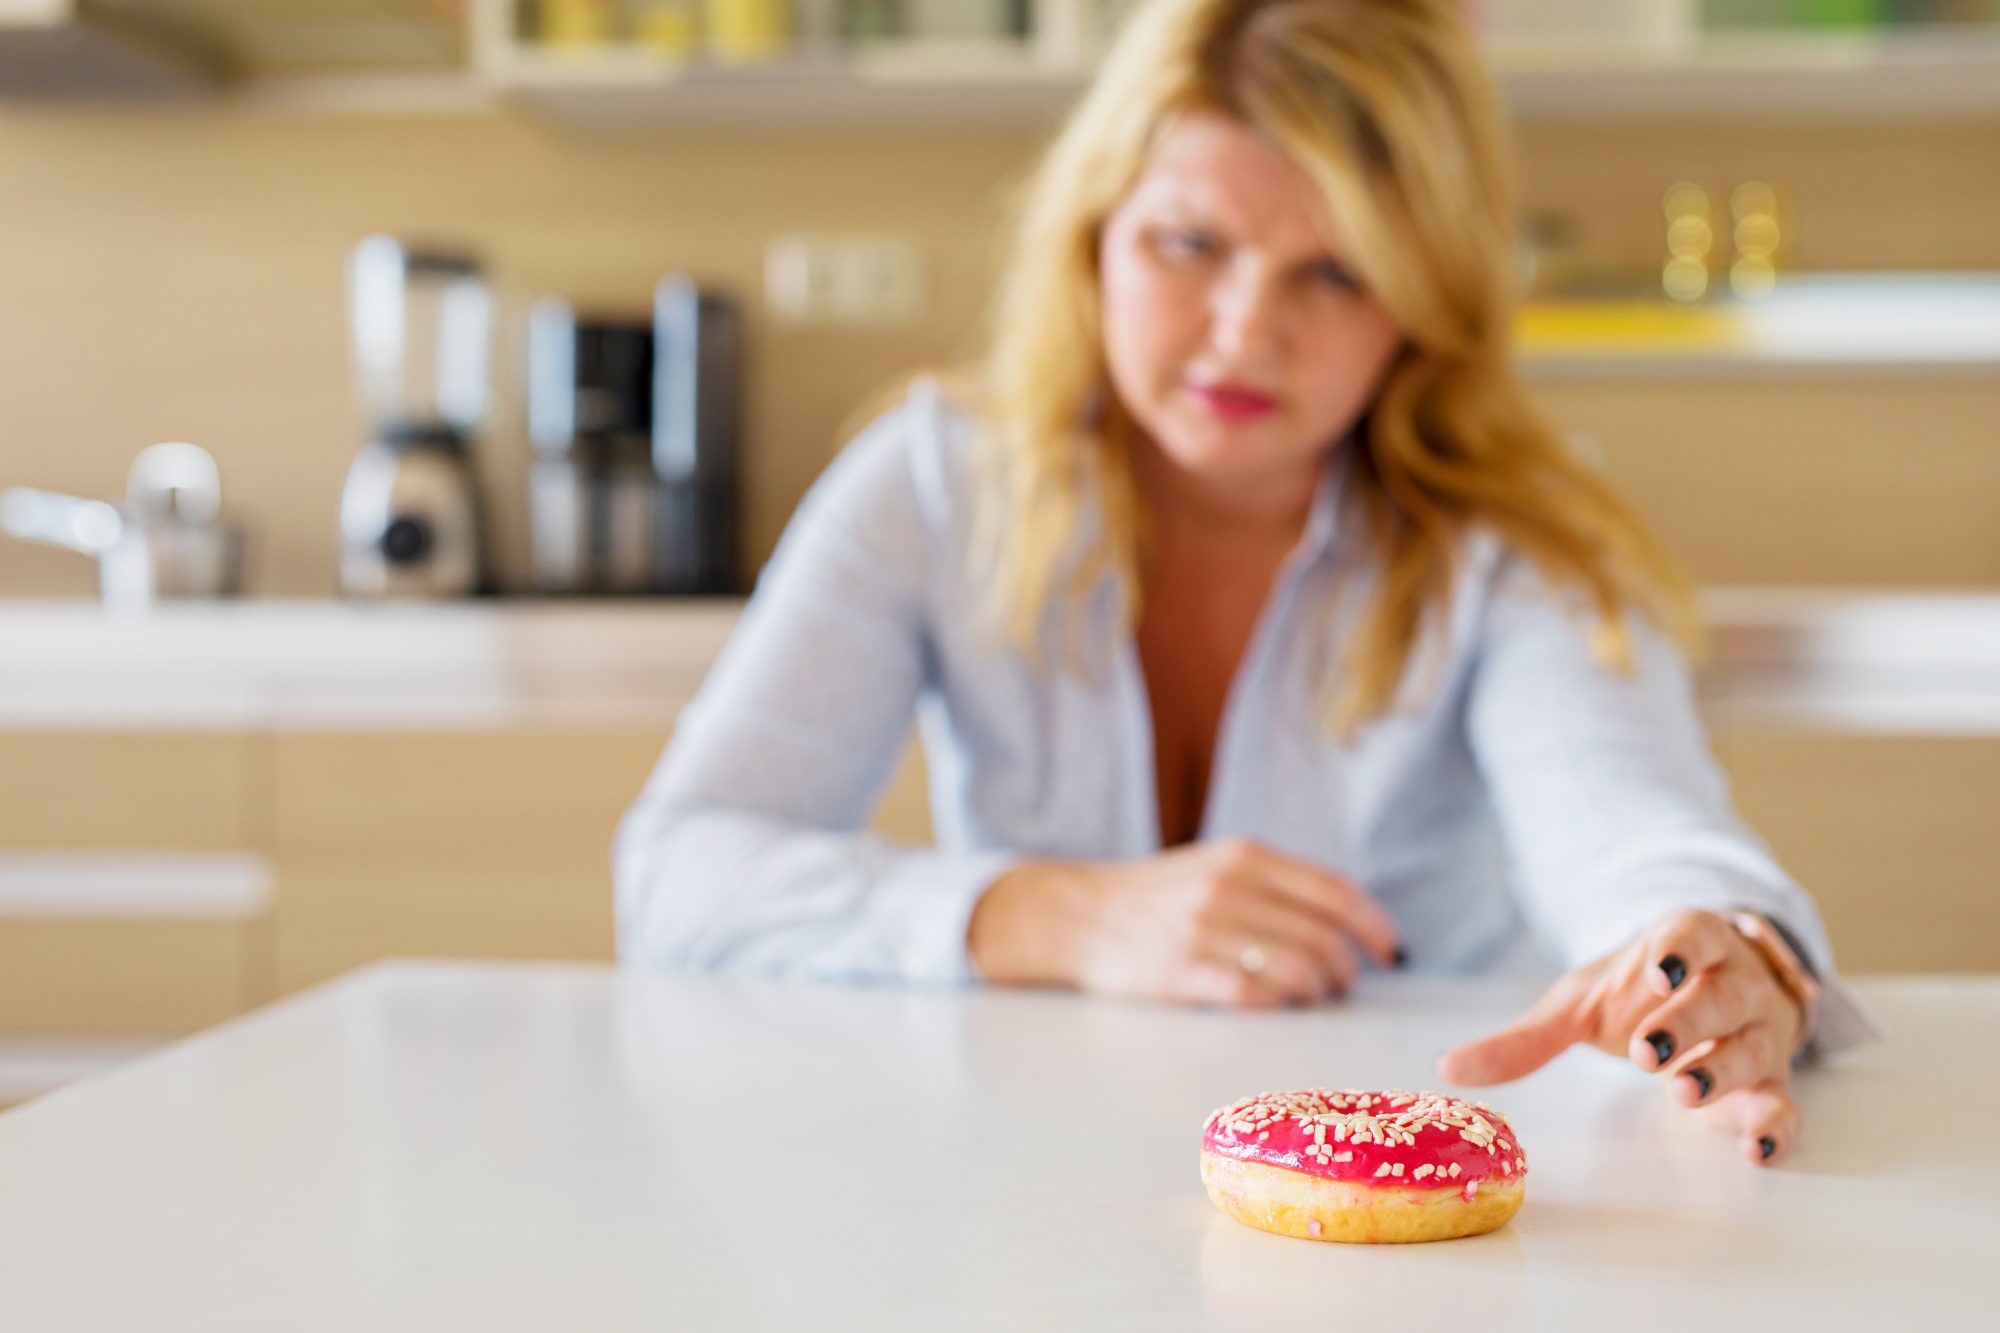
(1531, 808)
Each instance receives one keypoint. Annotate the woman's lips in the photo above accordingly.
(1233, 402)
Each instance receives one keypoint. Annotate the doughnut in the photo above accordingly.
(1365, 1167)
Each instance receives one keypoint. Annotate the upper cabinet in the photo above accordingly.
(626, 63)
(812, 62)
(139, 48)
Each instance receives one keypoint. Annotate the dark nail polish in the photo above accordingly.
(1401, 958)
(1768, 1145)
(1662, 1044)
(1703, 1080)
(1676, 970)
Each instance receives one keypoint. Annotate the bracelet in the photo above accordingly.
(1785, 965)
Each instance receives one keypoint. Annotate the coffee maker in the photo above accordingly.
(697, 436)
(591, 488)
(410, 522)
(637, 429)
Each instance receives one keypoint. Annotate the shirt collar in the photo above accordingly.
(1322, 530)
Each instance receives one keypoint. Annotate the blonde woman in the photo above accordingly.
(1259, 631)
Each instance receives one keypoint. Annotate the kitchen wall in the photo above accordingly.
(177, 274)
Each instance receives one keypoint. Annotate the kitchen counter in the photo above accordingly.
(311, 665)
(525, 1148)
(1892, 663)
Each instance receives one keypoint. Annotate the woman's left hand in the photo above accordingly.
(1693, 1001)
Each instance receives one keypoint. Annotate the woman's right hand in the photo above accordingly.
(1230, 923)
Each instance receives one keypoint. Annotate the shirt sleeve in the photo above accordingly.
(745, 851)
(1615, 811)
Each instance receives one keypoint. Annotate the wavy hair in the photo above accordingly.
(1386, 108)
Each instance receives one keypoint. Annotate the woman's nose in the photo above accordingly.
(1246, 315)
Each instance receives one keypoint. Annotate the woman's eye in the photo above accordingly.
(1334, 276)
(1186, 244)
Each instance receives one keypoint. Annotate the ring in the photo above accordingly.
(1251, 960)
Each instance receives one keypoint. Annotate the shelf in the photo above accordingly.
(1813, 323)
(904, 84)
(1927, 74)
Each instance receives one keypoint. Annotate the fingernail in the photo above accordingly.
(1676, 970)
(1706, 1082)
(1767, 1145)
(1662, 1044)
(1400, 958)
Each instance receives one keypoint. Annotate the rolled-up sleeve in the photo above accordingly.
(745, 851)
(1615, 812)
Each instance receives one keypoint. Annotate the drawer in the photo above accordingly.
(86, 789)
(1894, 836)
(446, 845)
(76, 977)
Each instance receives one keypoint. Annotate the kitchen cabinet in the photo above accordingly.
(1894, 834)
(210, 808)
(120, 857)
(1947, 73)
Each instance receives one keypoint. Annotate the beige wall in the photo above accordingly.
(178, 275)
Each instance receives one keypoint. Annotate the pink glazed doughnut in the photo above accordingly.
(1366, 1167)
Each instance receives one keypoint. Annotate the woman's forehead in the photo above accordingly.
(1231, 176)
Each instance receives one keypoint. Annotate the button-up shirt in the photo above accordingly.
(1524, 807)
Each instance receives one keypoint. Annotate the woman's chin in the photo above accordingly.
(1234, 462)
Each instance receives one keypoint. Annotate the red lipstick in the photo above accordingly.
(1234, 402)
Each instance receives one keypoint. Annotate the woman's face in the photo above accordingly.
(1237, 338)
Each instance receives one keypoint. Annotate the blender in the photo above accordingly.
(410, 523)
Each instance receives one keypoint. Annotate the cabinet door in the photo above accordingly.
(1893, 835)
(159, 792)
(481, 845)
(113, 921)
(122, 977)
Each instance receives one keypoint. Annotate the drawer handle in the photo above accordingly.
(199, 885)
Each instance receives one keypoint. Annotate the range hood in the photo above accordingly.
(165, 48)
(73, 48)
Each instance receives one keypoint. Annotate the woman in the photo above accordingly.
(1259, 631)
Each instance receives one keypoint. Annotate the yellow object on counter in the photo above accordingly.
(747, 30)
(1624, 327)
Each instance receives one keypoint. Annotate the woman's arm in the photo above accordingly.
(1617, 815)
(745, 849)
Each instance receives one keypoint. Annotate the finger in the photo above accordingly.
(1265, 916)
(1709, 1007)
(1765, 1119)
(1713, 1070)
(1329, 895)
(1684, 946)
(1283, 968)
(1225, 986)
(1548, 1029)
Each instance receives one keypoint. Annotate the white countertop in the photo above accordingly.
(1869, 661)
(325, 664)
(492, 1147)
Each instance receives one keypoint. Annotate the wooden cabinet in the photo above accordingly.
(129, 901)
(76, 977)
(141, 790)
(458, 845)
(1894, 836)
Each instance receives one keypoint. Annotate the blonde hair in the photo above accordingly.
(1385, 107)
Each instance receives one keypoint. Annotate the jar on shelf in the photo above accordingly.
(747, 30)
(575, 22)
(871, 20)
(672, 27)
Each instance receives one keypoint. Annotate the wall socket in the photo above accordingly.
(873, 281)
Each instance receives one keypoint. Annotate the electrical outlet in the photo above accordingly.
(845, 280)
